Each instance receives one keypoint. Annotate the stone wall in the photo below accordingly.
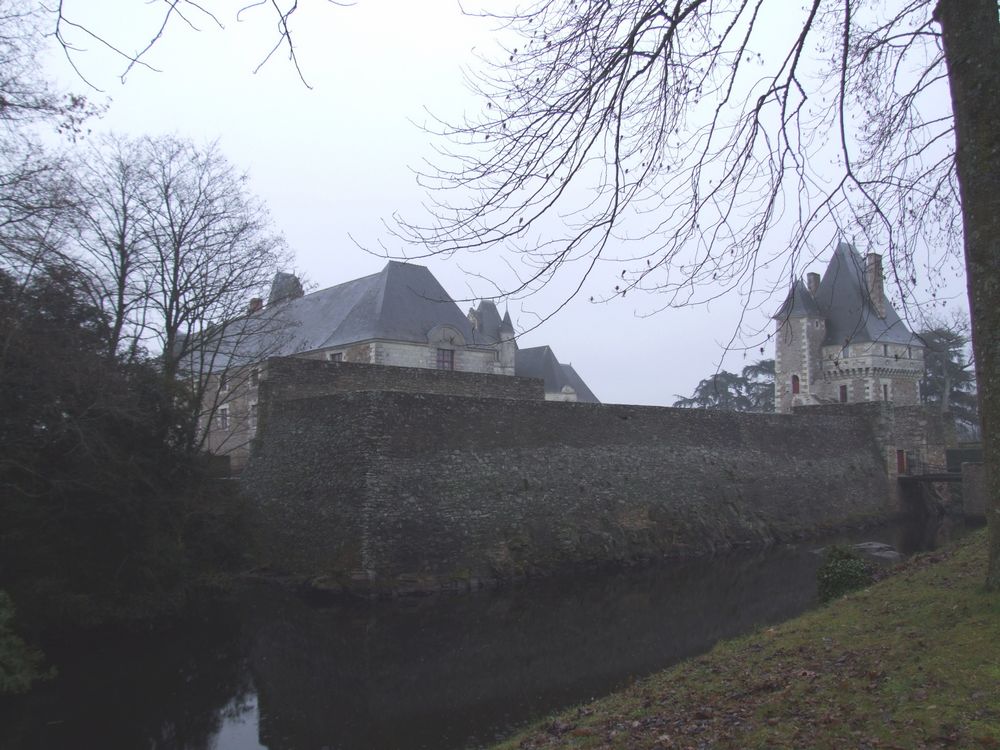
(974, 491)
(914, 436)
(925, 434)
(288, 378)
(392, 490)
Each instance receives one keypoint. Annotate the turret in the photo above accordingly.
(508, 345)
(798, 338)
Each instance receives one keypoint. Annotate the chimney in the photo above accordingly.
(256, 305)
(285, 286)
(812, 283)
(874, 280)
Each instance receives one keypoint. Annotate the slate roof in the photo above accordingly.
(799, 303)
(490, 327)
(402, 302)
(843, 300)
(541, 362)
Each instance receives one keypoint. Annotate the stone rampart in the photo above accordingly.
(393, 490)
(296, 377)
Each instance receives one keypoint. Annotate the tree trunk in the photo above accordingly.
(971, 35)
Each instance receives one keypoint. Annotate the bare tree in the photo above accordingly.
(211, 249)
(212, 246)
(35, 199)
(26, 96)
(72, 28)
(725, 140)
(112, 186)
(177, 248)
(33, 194)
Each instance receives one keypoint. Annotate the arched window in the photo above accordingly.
(795, 383)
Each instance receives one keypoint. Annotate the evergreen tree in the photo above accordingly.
(949, 379)
(751, 390)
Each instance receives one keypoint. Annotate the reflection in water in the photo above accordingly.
(436, 672)
(169, 693)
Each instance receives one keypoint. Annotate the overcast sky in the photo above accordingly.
(334, 161)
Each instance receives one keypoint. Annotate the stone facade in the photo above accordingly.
(229, 423)
(424, 356)
(839, 340)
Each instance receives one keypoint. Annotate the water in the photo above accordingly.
(437, 672)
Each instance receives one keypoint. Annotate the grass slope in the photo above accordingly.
(912, 662)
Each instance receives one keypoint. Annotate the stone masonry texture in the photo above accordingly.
(394, 491)
(294, 377)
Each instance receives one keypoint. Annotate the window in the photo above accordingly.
(223, 417)
(253, 416)
(223, 383)
(885, 392)
(900, 462)
(885, 350)
(795, 383)
(254, 377)
(446, 359)
(843, 394)
(335, 356)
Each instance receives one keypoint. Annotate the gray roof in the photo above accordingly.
(842, 299)
(402, 302)
(798, 304)
(541, 362)
(490, 328)
(850, 314)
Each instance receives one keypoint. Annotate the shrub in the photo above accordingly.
(20, 665)
(842, 571)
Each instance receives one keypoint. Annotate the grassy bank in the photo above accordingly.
(912, 662)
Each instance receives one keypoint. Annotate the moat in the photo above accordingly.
(432, 672)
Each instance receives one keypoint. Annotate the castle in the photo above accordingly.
(447, 472)
(838, 340)
(400, 317)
